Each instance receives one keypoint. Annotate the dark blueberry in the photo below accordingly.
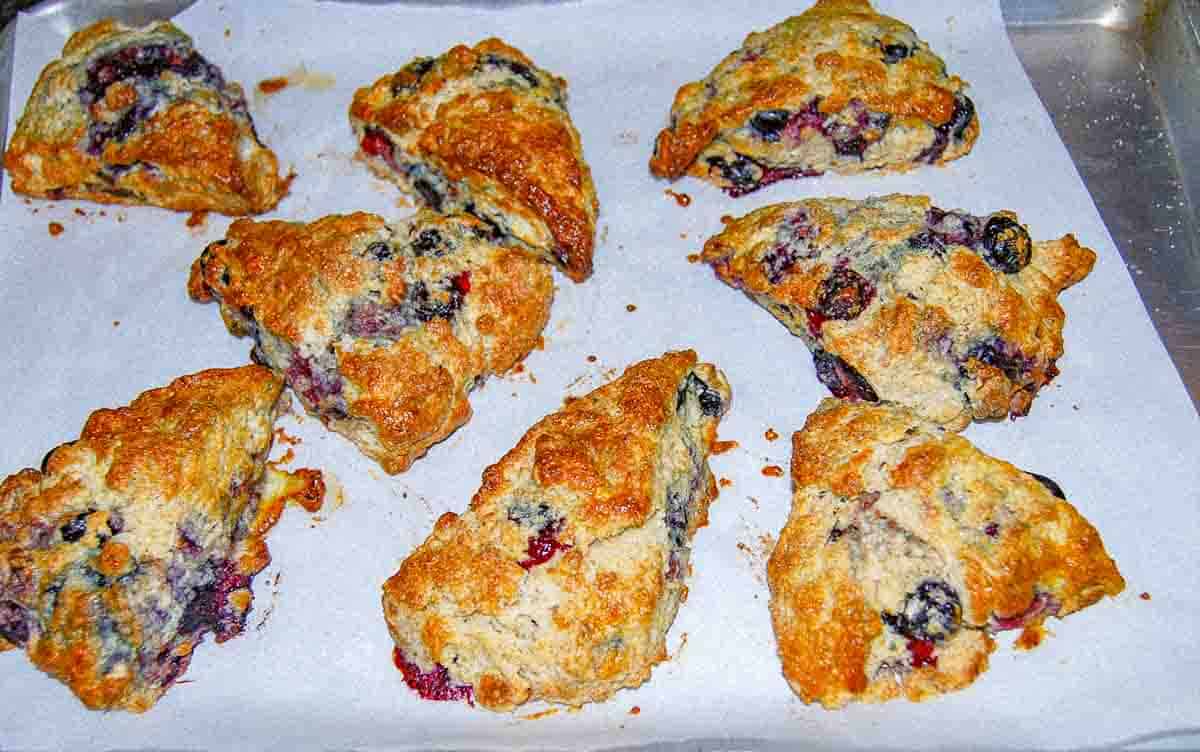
(513, 66)
(778, 263)
(1007, 246)
(74, 530)
(380, 251)
(930, 613)
(710, 400)
(997, 353)
(851, 147)
(841, 379)
(836, 533)
(844, 295)
(421, 66)
(429, 243)
(677, 518)
(743, 173)
(531, 515)
(1050, 485)
(894, 52)
(964, 112)
(429, 193)
(14, 622)
(116, 523)
(954, 228)
(769, 123)
(201, 611)
(927, 241)
(934, 151)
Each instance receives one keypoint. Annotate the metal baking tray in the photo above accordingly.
(1121, 80)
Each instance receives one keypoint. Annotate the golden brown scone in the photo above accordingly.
(952, 314)
(482, 130)
(560, 581)
(381, 330)
(837, 88)
(907, 549)
(138, 116)
(139, 538)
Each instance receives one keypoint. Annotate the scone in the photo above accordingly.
(381, 330)
(141, 537)
(482, 130)
(138, 116)
(952, 314)
(907, 549)
(560, 581)
(837, 88)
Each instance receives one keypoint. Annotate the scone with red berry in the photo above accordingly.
(561, 579)
(482, 130)
(138, 116)
(906, 551)
(838, 88)
(382, 330)
(951, 313)
(141, 537)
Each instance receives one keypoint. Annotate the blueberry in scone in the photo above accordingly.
(138, 116)
(907, 550)
(381, 330)
(837, 88)
(951, 313)
(560, 581)
(481, 130)
(141, 537)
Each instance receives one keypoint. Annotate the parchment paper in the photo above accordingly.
(99, 314)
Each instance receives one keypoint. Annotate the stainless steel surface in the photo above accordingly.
(1124, 92)
(1121, 80)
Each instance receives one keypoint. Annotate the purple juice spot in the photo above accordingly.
(434, 684)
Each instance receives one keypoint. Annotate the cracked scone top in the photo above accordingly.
(139, 538)
(482, 130)
(381, 330)
(953, 314)
(138, 116)
(560, 581)
(837, 88)
(907, 549)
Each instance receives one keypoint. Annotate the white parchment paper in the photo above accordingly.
(99, 314)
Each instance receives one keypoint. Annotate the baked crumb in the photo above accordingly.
(1144, 596)
(682, 199)
(726, 483)
(631, 308)
(693, 258)
(771, 434)
(197, 219)
(773, 471)
(56, 229)
(272, 85)
(721, 447)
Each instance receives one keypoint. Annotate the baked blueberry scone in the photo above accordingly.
(141, 537)
(953, 314)
(837, 88)
(482, 130)
(381, 330)
(907, 549)
(560, 581)
(138, 116)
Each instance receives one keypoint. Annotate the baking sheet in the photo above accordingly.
(99, 313)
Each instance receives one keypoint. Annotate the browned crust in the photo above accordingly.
(520, 149)
(196, 151)
(756, 77)
(825, 623)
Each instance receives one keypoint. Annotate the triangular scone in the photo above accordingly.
(837, 88)
(138, 116)
(381, 330)
(952, 314)
(482, 130)
(560, 581)
(141, 537)
(907, 549)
